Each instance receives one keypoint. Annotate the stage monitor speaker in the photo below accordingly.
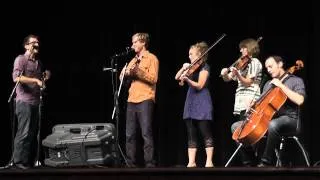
(80, 145)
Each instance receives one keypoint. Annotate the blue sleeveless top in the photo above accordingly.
(198, 104)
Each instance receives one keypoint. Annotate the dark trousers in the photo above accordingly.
(25, 141)
(139, 114)
(205, 129)
(280, 126)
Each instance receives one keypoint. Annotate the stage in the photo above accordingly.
(79, 40)
(217, 173)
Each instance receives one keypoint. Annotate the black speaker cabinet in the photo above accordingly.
(80, 145)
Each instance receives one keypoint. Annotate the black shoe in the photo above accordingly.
(21, 166)
(249, 164)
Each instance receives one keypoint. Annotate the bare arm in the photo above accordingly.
(246, 81)
(225, 75)
(183, 68)
(203, 76)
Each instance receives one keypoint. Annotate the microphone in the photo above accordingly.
(128, 51)
(34, 45)
(109, 69)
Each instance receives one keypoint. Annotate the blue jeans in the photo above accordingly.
(139, 114)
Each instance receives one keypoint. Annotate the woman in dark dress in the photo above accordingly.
(198, 105)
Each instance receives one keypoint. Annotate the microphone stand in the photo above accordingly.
(118, 93)
(37, 161)
(115, 113)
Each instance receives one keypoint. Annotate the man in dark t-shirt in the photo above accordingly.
(286, 120)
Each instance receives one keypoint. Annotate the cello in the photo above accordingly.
(260, 114)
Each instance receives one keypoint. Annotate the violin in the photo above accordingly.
(191, 69)
(243, 61)
(198, 62)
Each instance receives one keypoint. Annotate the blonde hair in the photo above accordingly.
(143, 37)
(201, 47)
(252, 46)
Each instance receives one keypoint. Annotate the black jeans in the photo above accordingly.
(280, 126)
(140, 114)
(25, 141)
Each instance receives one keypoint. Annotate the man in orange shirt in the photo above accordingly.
(143, 70)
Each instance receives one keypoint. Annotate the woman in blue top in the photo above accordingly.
(198, 105)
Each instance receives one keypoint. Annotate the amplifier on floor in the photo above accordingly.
(80, 145)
